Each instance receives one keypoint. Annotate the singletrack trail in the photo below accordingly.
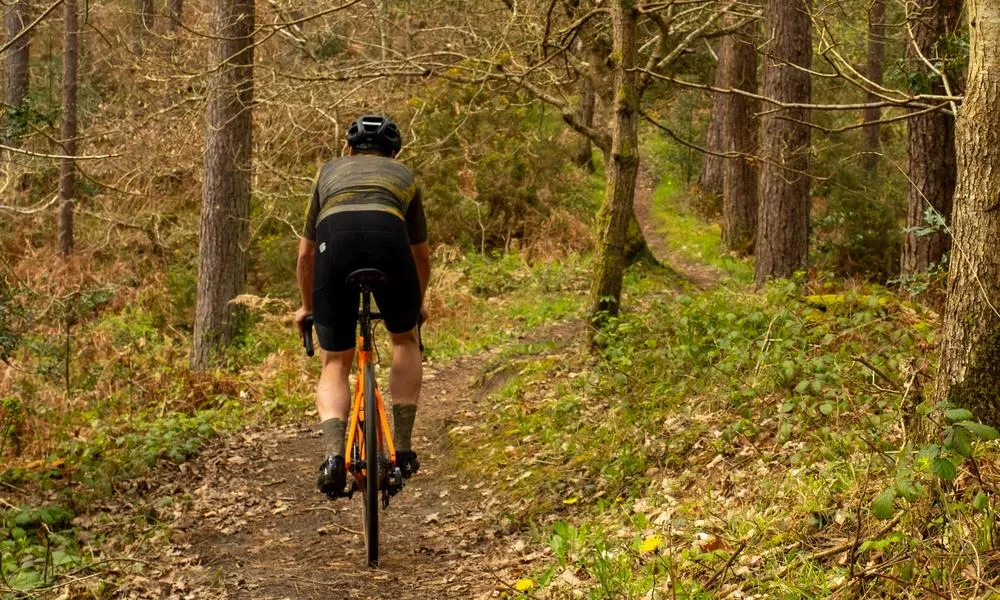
(258, 529)
(700, 275)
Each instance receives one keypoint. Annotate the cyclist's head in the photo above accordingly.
(374, 133)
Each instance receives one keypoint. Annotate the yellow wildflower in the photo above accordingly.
(651, 544)
(524, 585)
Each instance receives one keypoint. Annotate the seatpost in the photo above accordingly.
(366, 325)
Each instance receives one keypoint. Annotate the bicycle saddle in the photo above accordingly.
(367, 277)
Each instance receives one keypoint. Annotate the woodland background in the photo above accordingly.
(821, 161)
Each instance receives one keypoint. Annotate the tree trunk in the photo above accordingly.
(175, 12)
(588, 97)
(930, 140)
(738, 65)
(783, 215)
(870, 145)
(713, 167)
(222, 269)
(622, 168)
(67, 129)
(385, 27)
(15, 66)
(969, 368)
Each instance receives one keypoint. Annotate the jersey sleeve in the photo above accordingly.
(416, 222)
(312, 212)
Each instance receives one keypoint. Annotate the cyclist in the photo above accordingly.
(365, 212)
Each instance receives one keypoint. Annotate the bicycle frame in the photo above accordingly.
(366, 356)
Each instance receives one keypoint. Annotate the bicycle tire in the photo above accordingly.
(371, 495)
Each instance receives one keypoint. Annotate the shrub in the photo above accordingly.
(499, 175)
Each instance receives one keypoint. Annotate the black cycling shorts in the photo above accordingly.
(346, 242)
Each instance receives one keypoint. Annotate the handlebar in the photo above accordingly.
(307, 335)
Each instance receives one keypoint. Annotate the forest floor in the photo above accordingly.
(257, 528)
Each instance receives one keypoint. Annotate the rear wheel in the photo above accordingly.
(371, 495)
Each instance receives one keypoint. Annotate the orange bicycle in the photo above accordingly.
(371, 459)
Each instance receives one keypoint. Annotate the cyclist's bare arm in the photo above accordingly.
(304, 275)
(422, 257)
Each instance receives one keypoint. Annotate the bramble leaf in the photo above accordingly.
(983, 432)
(883, 505)
(944, 468)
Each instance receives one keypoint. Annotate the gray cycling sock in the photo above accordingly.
(403, 416)
(334, 430)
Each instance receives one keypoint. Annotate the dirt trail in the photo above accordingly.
(699, 274)
(257, 529)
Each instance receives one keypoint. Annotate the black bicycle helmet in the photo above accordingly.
(375, 132)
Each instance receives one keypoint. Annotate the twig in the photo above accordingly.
(30, 211)
(509, 586)
(832, 551)
(725, 567)
(30, 26)
(57, 156)
(347, 529)
(895, 385)
(852, 555)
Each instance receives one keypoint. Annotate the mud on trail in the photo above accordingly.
(251, 524)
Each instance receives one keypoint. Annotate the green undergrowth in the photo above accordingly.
(482, 301)
(733, 443)
(721, 441)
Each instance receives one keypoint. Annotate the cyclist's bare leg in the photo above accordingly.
(404, 385)
(333, 396)
(407, 369)
(333, 401)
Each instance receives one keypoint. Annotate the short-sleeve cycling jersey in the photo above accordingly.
(366, 182)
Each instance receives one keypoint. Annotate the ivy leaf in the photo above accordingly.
(984, 432)
(826, 408)
(958, 414)
(944, 468)
(883, 505)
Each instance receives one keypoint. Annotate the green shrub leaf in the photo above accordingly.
(984, 432)
(883, 505)
(944, 468)
(958, 414)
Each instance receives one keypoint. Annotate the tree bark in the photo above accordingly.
(15, 65)
(969, 367)
(738, 65)
(622, 168)
(930, 139)
(783, 215)
(713, 167)
(870, 144)
(588, 99)
(67, 129)
(222, 269)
